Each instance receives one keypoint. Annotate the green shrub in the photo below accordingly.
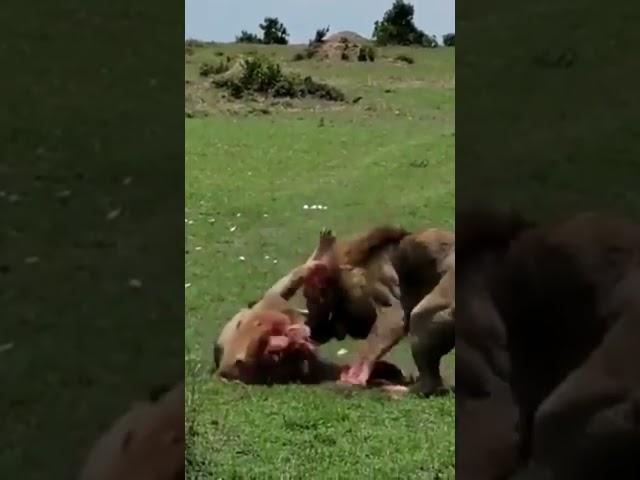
(449, 40)
(311, 51)
(321, 90)
(190, 42)
(261, 75)
(398, 28)
(274, 32)
(284, 88)
(321, 33)
(366, 53)
(371, 54)
(246, 37)
(208, 69)
(236, 90)
(405, 59)
(299, 56)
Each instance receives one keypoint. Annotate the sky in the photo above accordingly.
(222, 20)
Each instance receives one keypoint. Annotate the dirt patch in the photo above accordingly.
(340, 50)
(352, 37)
(345, 46)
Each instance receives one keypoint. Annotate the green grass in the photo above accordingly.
(388, 158)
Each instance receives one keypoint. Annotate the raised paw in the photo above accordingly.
(327, 240)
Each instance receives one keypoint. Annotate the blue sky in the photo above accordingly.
(222, 20)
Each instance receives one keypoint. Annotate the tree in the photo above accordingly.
(246, 37)
(274, 32)
(449, 40)
(321, 33)
(397, 27)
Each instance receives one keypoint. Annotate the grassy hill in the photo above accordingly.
(251, 166)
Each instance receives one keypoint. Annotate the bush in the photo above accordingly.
(190, 42)
(236, 90)
(429, 41)
(449, 40)
(246, 37)
(405, 59)
(321, 90)
(366, 53)
(261, 75)
(313, 47)
(274, 32)
(397, 27)
(284, 88)
(321, 33)
(208, 69)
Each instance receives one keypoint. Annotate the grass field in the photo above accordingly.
(250, 169)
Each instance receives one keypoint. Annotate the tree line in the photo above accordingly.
(395, 28)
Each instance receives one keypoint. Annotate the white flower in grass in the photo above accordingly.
(241, 258)
(198, 248)
(305, 207)
(187, 285)
(342, 351)
(233, 229)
